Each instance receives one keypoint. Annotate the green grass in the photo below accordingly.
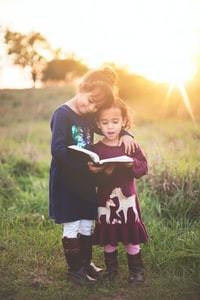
(32, 262)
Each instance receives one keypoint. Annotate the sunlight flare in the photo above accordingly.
(156, 39)
(186, 101)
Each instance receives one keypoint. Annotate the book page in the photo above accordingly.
(94, 157)
(117, 159)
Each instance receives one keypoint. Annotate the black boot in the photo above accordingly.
(136, 269)
(86, 255)
(111, 265)
(76, 267)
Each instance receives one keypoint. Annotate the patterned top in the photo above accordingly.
(119, 216)
(72, 194)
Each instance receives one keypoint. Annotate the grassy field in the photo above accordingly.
(32, 262)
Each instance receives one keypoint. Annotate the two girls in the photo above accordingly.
(72, 193)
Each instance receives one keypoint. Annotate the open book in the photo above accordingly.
(95, 158)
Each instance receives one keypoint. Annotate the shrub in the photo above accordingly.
(178, 191)
(8, 188)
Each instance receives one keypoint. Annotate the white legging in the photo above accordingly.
(71, 229)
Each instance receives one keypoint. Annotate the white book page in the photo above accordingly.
(120, 159)
(91, 154)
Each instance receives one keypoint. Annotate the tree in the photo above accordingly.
(27, 51)
(63, 69)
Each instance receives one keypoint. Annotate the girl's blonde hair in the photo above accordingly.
(105, 74)
(104, 79)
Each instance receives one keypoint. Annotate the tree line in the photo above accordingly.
(32, 51)
(52, 66)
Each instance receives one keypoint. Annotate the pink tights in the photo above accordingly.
(130, 249)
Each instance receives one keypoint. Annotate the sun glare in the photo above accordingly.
(156, 39)
(178, 68)
(169, 58)
(170, 72)
(167, 42)
(186, 101)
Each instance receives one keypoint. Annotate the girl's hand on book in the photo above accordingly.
(109, 169)
(128, 165)
(94, 168)
(128, 142)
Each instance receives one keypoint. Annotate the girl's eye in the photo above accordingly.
(92, 100)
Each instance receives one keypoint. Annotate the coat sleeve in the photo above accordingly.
(60, 140)
(140, 165)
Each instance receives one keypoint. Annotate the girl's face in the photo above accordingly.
(89, 102)
(110, 121)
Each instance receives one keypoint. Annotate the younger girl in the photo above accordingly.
(72, 194)
(119, 218)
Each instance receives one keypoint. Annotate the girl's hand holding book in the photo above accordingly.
(109, 169)
(128, 165)
(95, 168)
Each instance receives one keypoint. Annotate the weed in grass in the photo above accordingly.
(178, 193)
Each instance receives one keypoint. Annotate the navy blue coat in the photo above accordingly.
(72, 194)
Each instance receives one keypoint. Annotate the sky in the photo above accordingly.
(159, 39)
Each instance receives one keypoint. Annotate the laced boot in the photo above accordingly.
(111, 265)
(86, 254)
(136, 269)
(76, 267)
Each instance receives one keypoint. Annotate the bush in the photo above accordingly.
(178, 192)
(8, 186)
(26, 168)
(24, 186)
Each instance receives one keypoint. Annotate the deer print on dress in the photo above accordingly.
(124, 204)
(105, 210)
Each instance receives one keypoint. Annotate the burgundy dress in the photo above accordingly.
(119, 217)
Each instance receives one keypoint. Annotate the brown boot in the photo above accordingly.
(136, 269)
(111, 265)
(76, 267)
(86, 255)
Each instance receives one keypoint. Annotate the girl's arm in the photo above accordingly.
(60, 140)
(140, 165)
